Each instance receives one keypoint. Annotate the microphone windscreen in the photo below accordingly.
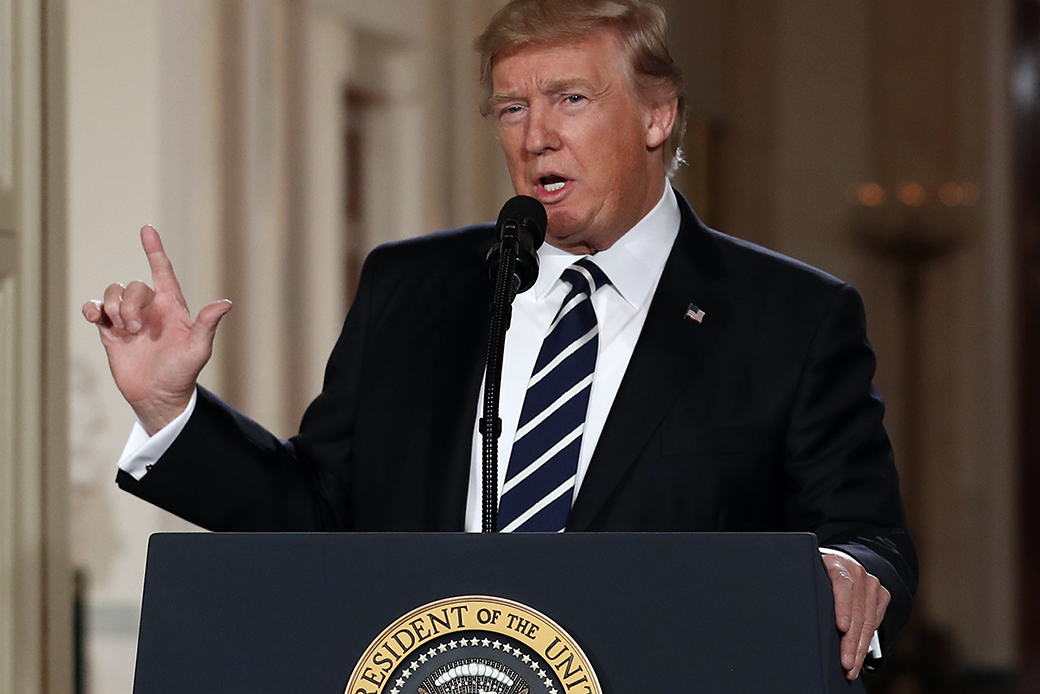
(527, 212)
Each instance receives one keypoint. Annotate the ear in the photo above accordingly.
(660, 119)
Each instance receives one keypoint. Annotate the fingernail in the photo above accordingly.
(133, 326)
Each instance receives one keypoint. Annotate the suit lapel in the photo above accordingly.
(670, 352)
(460, 329)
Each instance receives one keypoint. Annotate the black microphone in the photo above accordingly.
(521, 223)
(513, 267)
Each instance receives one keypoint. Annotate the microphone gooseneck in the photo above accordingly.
(513, 267)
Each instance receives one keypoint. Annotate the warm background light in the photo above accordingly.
(950, 194)
(969, 194)
(911, 194)
(869, 194)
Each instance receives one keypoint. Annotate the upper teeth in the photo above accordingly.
(552, 187)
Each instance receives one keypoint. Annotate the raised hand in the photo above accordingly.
(155, 349)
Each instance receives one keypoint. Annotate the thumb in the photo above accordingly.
(209, 317)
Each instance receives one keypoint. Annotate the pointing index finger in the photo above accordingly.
(163, 276)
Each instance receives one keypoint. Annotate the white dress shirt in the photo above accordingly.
(634, 265)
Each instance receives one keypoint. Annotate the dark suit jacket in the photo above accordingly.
(762, 417)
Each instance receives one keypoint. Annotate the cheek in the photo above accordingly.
(611, 177)
(626, 164)
(516, 171)
(613, 150)
(511, 147)
(520, 184)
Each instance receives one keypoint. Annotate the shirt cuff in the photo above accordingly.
(142, 451)
(875, 643)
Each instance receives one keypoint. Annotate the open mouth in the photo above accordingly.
(552, 183)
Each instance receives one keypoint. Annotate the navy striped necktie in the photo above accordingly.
(539, 484)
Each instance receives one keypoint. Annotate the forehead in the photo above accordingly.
(597, 59)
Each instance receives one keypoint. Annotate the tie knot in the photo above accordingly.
(585, 277)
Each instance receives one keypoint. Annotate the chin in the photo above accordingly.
(562, 224)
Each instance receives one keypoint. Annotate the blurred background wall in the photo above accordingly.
(274, 142)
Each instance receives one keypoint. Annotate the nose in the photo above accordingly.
(542, 134)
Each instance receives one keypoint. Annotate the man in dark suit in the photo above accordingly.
(732, 390)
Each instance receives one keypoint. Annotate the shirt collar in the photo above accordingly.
(633, 263)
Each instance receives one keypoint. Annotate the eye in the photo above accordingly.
(510, 111)
(575, 98)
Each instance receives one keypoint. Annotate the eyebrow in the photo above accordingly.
(552, 87)
(566, 85)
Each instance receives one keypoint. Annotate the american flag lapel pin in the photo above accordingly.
(694, 313)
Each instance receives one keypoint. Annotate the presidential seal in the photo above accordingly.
(473, 645)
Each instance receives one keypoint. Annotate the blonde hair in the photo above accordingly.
(640, 26)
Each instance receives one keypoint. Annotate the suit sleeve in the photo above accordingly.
(225, 472)
(840, 474)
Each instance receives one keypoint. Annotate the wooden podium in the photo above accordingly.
(653, 613)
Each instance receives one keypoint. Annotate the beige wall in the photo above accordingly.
(35, 576)
(115, 164)
(221, 124)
